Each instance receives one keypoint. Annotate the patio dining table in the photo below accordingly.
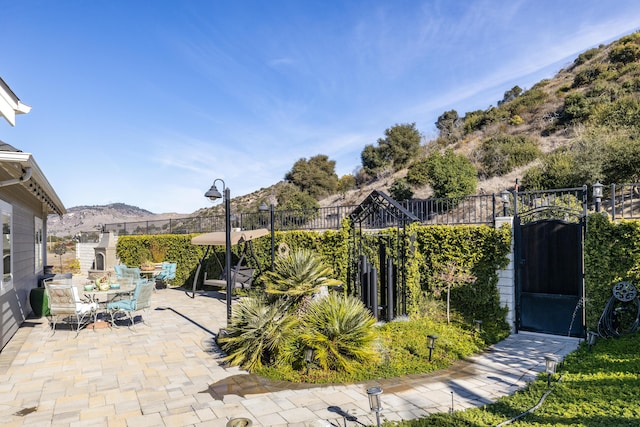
(104, 297)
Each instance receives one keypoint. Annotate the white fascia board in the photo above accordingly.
(27, 160)
(6, 109)
(10, 105)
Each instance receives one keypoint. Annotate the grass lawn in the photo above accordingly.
(600, 387)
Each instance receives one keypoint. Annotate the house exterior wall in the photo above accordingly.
(14, 302)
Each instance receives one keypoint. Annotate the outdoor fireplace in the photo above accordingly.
(105, 253)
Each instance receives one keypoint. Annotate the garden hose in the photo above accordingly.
(530, 410)
(610, 323)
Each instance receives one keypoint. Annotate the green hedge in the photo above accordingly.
(481, 249)
(612, 254)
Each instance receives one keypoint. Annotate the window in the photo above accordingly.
(6, 212)
(39, 248)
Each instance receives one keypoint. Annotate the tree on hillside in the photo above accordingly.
(315, 176)
(290, 197)
(400, 190)
(449, 125)
(346, 183)
(451, 175)
(401, 143)
(511, 94)
(399, 146)
(372, 160)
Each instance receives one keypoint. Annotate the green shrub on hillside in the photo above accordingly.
(451, 175)
(400, 190)
(418, 173)
(499, 155)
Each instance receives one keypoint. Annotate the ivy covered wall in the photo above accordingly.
(481, 250)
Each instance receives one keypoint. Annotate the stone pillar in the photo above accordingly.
(506, 279)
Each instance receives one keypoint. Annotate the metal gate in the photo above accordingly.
(549, 232)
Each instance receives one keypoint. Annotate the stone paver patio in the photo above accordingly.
(168, 374)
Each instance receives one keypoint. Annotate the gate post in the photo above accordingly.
(506, 280)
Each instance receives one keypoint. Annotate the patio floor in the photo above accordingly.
(167, 373)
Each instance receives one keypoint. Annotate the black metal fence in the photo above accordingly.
(623, 201)
(620, 201)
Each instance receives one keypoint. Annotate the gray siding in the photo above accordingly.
(15, 303)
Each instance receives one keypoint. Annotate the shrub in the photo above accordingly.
(418, 173)
(257, 332)
(624, 53)
(586, 55)
(500, 154)
(401, 190)
(451, 175)
(340, 331)
(297, 275)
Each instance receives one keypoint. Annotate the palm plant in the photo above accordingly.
(298, 275)
(257, 332)
(340, 330)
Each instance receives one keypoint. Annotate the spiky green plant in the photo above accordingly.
(341, 332)
(257, 332)
(301, 273)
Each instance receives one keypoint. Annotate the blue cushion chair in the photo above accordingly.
(168, 272)
(140, 300)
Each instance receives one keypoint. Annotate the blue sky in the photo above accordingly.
(147, 102)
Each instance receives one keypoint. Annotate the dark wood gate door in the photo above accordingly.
(549, 276)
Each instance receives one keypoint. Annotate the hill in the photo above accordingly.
(91, 218)
(579, 127)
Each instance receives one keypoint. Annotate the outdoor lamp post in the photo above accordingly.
(263, 208)
(504, 196)
(374, 401)
(591, 339)
(214, 194)
(432, 344)
(597, 194)
(550, 368)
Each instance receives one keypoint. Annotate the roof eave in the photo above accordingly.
(49, 196)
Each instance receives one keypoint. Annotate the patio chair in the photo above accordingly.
(168, 272)
(141, 300)
(64, 300)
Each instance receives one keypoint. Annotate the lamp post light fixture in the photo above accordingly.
(477, 323)
(505, 197)
(432, 344)
(591, 339)
(214, 194)
(597, 194)
(374, 401)
(263, 208)
(550, 368)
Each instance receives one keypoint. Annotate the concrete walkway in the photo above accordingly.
(168, 374)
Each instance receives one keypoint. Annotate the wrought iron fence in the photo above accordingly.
(623, 201)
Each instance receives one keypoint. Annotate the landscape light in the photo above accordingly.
(550, 367)
(432, 344)
(478, 325)
(591, 339)
(308, 357)
(374, 401)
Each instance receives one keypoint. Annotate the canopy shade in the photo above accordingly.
(218, 237)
